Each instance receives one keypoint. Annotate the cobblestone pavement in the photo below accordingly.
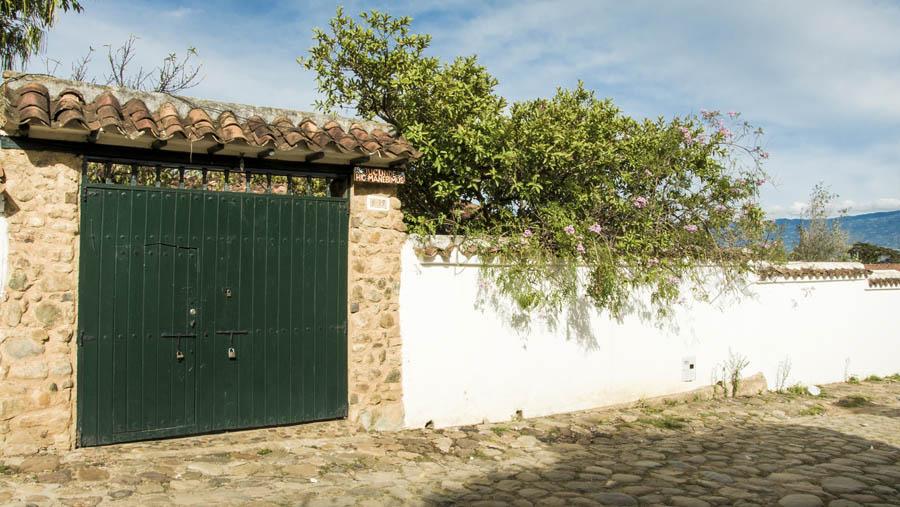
(838, 449)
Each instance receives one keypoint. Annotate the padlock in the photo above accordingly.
(231, 353)
(179, 355)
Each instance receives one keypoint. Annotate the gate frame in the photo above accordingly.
(130, 156)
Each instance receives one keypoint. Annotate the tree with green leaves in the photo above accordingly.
(822, 239)
(23, 24)
(874, 254)
(565, 192)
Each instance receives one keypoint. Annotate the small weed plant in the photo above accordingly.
(813, 410)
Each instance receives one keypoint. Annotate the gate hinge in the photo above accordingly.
(82, 337)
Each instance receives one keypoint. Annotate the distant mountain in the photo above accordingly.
(882, 228)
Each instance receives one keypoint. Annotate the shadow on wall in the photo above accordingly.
(754, 463)
(576, 319)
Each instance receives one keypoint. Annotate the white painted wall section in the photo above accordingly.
(465, 360)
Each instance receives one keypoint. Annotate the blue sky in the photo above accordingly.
(822, 77)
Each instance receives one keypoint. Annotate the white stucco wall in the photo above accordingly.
(464, 361)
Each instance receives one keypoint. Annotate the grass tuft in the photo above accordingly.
(264, 452)
(797, 390)
(813, 410)
(853, 401)
(666, 422)
(853, 380)
(873, 378)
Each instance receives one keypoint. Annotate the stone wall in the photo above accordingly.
(37, 302)
(374, 368)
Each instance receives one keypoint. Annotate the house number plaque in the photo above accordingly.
(375, 175)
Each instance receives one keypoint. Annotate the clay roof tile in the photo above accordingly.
(200, 124)
(32, 103)
(229, 128)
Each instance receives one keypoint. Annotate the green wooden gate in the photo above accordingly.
(208, 303)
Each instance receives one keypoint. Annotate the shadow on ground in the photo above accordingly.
(638, 464)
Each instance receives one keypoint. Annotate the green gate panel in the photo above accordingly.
(171, 279)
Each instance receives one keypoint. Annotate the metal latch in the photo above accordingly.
(179, 355)
(232, 354)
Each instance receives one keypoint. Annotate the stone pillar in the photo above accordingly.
(374, 362)
(37, 301)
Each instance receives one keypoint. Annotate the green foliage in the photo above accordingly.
(868, 253)
(822, 240)
(853, 380)
(571, 196)
(264, 452)
(873, 378)
(22, 27)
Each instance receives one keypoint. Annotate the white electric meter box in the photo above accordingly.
(688, 369)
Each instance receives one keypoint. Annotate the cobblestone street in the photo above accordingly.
(838, 449)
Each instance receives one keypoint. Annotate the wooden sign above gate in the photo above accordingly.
(374, 175)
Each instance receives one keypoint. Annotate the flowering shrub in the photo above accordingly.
(558, 187)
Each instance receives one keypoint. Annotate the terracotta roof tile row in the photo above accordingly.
(883, 278)
(32, 104)
(882, 267)
(812, 271)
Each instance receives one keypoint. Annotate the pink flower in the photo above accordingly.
(703, 139)
(686, 135)
(727, 134)
(691, 228)
(640, 202)
(760, 182)
(764, 154)
(721, 207)
(527, 233)
(653, 261)
(733, 114)
(766, 245)
(580, 248)
(596, 229)
(672, 279)
(569, 229)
